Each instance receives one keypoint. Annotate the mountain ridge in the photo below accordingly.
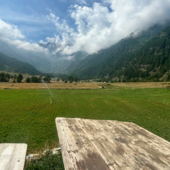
(112, 61)
(10, 64)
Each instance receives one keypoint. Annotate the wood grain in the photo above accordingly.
(103, 145)
(12, 156)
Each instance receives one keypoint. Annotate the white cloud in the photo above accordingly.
(76, 1)
(82, 2)
(42, 42)
(104, 24)
(12, 35)
(96, 27)
(60, 25)
(9, 31)
(34, 47)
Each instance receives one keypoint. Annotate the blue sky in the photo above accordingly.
(30, 16)
(76, 25)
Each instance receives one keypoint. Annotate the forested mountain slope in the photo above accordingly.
(151, 62)
(127, 60)
(13, 65)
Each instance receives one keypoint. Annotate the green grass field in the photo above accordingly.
(27, 116)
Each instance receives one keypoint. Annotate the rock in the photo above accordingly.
(55, 151)
(47, 150)
(32, 156)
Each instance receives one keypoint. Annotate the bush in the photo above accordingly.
(28, 80)
(47, 79)
(46, 162)
(19, 78)
(4, 77)
(35, 79)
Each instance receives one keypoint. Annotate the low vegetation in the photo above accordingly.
(6, 77)
(28, 116)
(46, 162)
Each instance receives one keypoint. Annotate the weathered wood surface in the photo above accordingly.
(110, 145)
(12, 156)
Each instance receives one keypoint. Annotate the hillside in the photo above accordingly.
(151, 62)
(38, 61)
(60, 62)
(124, 60)
(13, 65)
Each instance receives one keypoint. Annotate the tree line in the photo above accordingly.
(70, 79)
(35, 79)
(5, 77)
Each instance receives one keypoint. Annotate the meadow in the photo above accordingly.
(27, 116)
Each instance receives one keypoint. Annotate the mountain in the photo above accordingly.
(60, 62)
(151, 62)
(38, 61)
(54, 63)
(13, 65)
(131, 58)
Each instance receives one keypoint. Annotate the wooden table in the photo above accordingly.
(110, 145)
(12, 156)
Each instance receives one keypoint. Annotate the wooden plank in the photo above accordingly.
(12, 156)
(67, 159)
(121, 145)
(141, 149)
(82, 152)
(106, 148)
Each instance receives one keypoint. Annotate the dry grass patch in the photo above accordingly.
(50, 85)
(139, 84)
(94, 85)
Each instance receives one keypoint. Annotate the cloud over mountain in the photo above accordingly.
(105, 23)
(93, 26)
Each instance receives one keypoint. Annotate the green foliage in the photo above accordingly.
(46, 162)
(28, 80)
(67, 78)
(76, 79)
(47, 79)
(168, 78)
(35, 79)
(70, 79)
(19, 78)
(4, 77)
(14, 78)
